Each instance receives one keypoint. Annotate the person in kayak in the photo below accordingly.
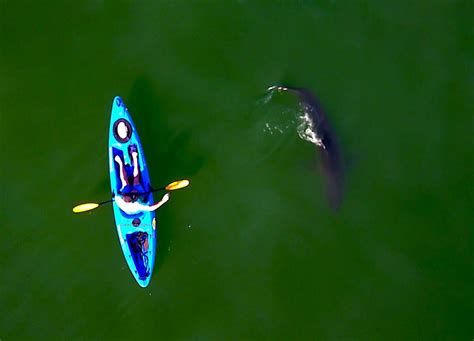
(131, 189)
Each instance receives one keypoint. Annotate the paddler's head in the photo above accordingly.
(131, 197)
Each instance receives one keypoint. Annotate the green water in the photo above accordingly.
(251, 250)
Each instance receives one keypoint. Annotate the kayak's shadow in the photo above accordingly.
(169, 153)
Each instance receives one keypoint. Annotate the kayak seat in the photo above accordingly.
(132, 216)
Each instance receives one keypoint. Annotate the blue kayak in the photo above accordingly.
(136, 232)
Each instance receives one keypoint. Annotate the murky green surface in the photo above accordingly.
(251, 250)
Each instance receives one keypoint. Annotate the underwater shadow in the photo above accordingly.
(170, 154)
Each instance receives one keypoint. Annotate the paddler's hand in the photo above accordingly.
(165, 198)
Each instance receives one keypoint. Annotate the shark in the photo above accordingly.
(314, 127)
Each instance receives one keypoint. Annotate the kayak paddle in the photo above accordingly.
(92, 205)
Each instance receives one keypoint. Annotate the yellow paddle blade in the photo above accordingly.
(85, 207)
(177, 185)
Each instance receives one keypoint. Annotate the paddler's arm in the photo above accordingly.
(153, 207)
(124, 206)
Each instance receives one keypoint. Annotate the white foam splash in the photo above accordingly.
(305, 126)
(306, 129)
(275, 129)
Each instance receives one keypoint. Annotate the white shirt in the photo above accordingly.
(136, 207)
